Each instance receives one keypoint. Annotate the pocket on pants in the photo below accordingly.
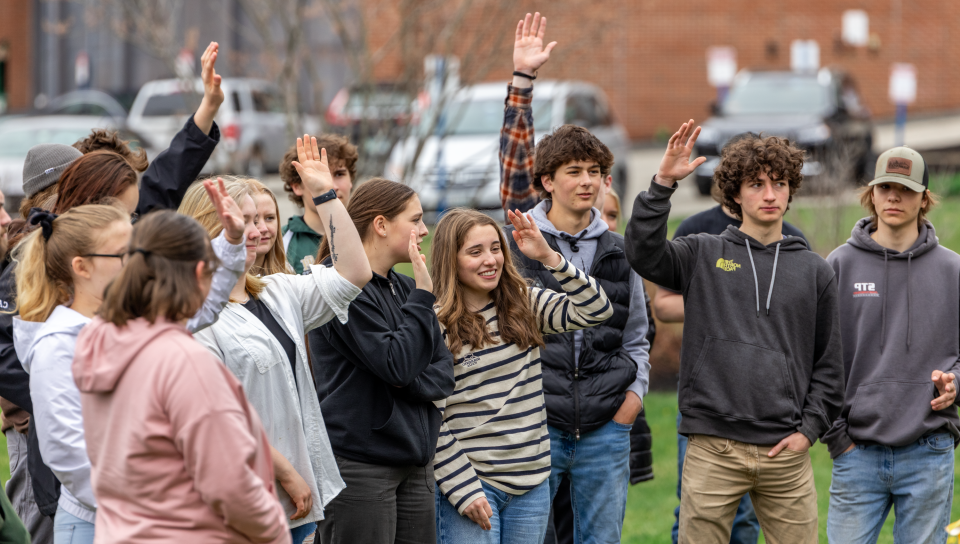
(939, 443)
(713, 444)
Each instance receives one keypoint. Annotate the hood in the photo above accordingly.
(593, 230)
(860, 239)
(104, 351)
(26, 334)
(926, 241)
(788, 126)
(297, 224)
(787, 243)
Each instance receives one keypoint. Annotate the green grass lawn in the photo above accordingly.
(650, 504)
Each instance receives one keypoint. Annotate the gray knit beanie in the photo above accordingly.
(44, 164)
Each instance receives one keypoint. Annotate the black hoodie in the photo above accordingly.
(900, 322)
(378, 375)
(761, 356)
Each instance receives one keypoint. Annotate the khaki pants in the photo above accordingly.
(717, 472)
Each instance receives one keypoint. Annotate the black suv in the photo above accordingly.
(821, 112)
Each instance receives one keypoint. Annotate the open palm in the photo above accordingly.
(676, 164)
(529, 54)
(312, 166)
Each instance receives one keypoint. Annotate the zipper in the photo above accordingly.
(576, 371)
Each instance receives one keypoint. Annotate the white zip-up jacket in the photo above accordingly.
(288, 407)
(46, 353)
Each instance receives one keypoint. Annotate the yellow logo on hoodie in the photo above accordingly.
(727, 265)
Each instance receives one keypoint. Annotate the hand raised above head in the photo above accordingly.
(312, 166)
(676, 164)
(529, 54)
(208, 73)
(227, 210)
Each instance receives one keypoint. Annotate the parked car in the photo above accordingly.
(821, 112)
(253, 125)
(459, 163)
(88, 102)
(19, 134)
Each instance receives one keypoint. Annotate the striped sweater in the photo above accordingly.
(495, 422)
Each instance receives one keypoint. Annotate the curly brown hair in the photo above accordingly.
(746, 158)
(568, 143)
(110, 140)
(339, 149)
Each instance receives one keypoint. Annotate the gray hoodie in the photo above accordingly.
(635, 330)
(761, 356)
(899, 320)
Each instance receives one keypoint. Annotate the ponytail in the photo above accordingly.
(44, 258)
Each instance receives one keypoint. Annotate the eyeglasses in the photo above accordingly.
(121, 256)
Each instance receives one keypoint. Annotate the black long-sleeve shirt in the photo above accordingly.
(378, 374)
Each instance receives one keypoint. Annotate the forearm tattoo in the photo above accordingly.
(333, 248)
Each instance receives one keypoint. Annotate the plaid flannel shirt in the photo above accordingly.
(516, 152)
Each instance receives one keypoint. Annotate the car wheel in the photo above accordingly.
(255, 168)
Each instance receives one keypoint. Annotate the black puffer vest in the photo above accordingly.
(585, 398)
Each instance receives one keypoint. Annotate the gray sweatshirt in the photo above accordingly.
(900, 321)
(635, 331)
(761, 356)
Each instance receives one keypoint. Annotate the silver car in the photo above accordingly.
(252, 122)
(19, 134)
(459, 163)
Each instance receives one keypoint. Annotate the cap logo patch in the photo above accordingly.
(49, 170)
(899, 165)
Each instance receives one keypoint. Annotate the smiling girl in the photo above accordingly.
(493, 455)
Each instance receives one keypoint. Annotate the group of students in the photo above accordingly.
(177, 367)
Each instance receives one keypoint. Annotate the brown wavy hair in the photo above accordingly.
(568, 143)
(159, 279)
(375, 197)
(744, 160)
(94, 178)
(338, 149)
(517, 322)
(109, 140)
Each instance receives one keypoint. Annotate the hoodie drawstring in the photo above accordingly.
(883, 307)
(909, 283)
(573, 240)
(773, 277)
(756, 284)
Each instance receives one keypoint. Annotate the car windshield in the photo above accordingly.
(15, 142)
(777, 95)
(486, 117)
(168, 104)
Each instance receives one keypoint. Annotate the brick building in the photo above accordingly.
(650, 55)
(16, 47)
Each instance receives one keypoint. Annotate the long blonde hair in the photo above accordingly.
(44, 266)
(197, 204)
(517, 322)
(274, 262)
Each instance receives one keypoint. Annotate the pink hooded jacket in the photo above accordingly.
(177, 453)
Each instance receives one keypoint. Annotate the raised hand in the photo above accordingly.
(530, 240)
(227, 210)
(212, 93)
(312, 166)
(676, 164)
(529, 54)
(419, 261)
(946, 388)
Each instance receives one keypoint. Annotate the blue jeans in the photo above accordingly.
(516, 519)
(916, 480)
(69, 529)
(746, 526)
(297, 534)
(598, 467)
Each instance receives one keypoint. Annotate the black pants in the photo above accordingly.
(381, 505)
